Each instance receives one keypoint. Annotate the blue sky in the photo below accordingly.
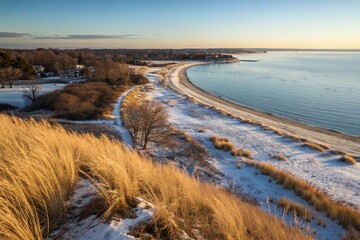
(180, 24)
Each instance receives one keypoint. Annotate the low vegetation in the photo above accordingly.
(349, 218)
(314, 146)
(280, 157)
(241, 153)
(6, 107)
(299, 210)
(348, 159)
(226, 145)
(80, 101)
(222, 143)
(40, 164)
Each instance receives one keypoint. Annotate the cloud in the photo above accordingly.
(89, 36)
(13, 35)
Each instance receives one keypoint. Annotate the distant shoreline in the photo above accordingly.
(338, 141)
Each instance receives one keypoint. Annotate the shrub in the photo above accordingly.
(79, 101)
(138, 79)
(6, 107)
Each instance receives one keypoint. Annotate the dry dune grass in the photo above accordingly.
(280, 157)
(299, 210)
(38, 172)
(222, 143)
(241, 153)
(40, 164)
(349, 218)
(349, 159)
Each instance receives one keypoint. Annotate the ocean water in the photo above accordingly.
(317, 88)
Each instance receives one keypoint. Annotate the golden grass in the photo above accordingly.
(39, 166)
(188, 138)
(314, 146)
(280, 157)
(241, 153)
(349, 159)
(349, 218)
(222, 143)
(37, 175)
(299, 210)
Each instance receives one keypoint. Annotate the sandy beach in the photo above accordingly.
(178, 79)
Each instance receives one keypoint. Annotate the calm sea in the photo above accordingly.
(318, 88)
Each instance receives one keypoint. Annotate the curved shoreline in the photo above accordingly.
(179, 80)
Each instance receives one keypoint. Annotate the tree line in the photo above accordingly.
(13, 68)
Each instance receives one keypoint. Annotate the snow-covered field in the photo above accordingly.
(14, 95)
(338, 179)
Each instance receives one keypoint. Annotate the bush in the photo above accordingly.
(6, 107)
(80, 101)
(138, 79)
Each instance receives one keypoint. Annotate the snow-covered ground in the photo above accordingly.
(93, 227)
(338, 179)
(14, 95)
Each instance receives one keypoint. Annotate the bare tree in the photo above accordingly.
(133, 119)
(31, 92)
(148, 122)
(64, 64)
(155, 126)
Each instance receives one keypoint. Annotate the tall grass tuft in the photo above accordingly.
(299, 210)
(38, 161)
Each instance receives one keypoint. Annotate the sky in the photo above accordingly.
(315, 24)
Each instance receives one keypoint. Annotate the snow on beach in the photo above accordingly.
(14, 95)
(338, 179)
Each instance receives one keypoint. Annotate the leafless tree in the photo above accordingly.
(148, 122)
(155, 126)
(133, 119)
(63, 65)
(31, 92)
